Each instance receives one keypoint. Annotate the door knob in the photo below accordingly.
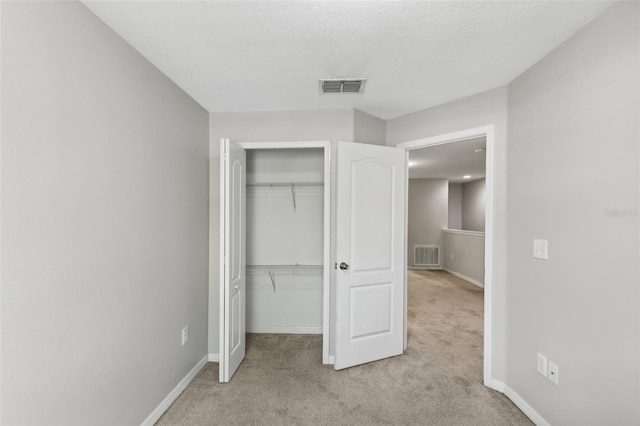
(344, 266)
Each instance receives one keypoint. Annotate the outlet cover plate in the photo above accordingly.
(554, 370)
(541, 249)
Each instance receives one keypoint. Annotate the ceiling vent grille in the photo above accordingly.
(342, 85)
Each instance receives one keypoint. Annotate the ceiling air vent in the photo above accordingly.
(342, 85)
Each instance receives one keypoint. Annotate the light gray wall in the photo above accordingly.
(479, 110)
(473, 205)
(455, 206)
(463, 254)
(428, 207)
(276, 126)
(104, 223)
(573, 159)
(368, 129)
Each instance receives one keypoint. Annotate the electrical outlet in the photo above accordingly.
(542, 364)
(554, 370)
(185, 335)
(451, 256)
(541, 249)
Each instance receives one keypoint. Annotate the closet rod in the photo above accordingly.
(279, 184)
(282, 184)
(289, 185)
(273, 270)
(284, 269)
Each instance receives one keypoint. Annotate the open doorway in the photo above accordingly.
(445, 173)
(446, 209)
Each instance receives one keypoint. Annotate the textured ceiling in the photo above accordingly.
(449, 161)
(269, 55)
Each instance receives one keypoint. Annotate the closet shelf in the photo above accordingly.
(282, 184)
(290, 185)
(273, 270)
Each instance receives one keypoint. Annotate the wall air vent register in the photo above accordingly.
(426, 255)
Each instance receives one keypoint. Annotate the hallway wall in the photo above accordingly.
(574, 180)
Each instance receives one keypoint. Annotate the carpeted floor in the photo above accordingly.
(438, 381)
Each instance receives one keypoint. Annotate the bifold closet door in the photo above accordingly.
(233, 172)
(370, 254)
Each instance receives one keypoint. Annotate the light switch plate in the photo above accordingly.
(185, 335)
(542, 364)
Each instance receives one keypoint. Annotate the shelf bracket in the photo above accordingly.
(293, 197)
(273, 280)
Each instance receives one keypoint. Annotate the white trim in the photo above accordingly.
(497, 385)
(214, 279)
(285, 330)
(488, 250)
(221, 319)
(326, 253)
(488, 132)
(326, 280)
(447, 138)
(533, 415)
(332, 360)
(464, 277)
(1, 275)
(214, 357)
(284, 145)
(405, 337)
(425, 268)
(463, 232)
(174, 394)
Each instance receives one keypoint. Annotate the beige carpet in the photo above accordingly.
(438, 381)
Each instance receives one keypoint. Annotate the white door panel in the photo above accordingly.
(370, 253)
(371, 233)
(232, 230)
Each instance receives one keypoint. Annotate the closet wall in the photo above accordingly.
(284, 240)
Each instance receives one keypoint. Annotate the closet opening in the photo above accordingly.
(284, 241)
(275, 216)
(287, 220)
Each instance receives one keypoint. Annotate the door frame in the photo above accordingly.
(326, 250)
(489, 133)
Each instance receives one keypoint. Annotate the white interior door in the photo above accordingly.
(370, 253)
(233, 264)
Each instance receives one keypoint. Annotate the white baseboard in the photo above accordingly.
(214, 357)
(285, 330)
(497, 385)
(332, 359)
(533, 415)
(430, 268)
(175, 392)
(464, 277)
